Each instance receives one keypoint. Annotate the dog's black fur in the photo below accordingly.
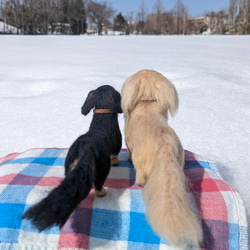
(87, 162)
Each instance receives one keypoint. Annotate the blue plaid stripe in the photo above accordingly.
(243, 244)
(140, 231)
(10, 222)
(106, 224)
(28, 227)
(197, 164)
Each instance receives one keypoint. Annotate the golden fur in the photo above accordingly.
(158, 157)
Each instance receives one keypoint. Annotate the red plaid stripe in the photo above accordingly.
(8, 158)
(7, 179)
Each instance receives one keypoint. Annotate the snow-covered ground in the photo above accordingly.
(45, 79)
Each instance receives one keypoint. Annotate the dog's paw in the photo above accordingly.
(140, 184)
(114, 160)
(140, 180)
(101, 193)
(129, 156)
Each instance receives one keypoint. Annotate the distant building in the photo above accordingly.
(218, 24)
(59, 28)
(197, 25)
(8, 29)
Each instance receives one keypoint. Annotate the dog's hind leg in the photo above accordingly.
(142, 163)
(72, 157)
(114, 160)
(102, 168)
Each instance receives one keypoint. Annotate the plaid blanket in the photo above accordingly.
(116, 221)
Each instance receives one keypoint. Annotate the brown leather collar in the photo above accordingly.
(102, 111)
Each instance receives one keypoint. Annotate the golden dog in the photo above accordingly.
(158, 157)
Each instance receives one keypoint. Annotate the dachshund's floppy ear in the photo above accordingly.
(117, 108)
(89, 103)
(120, 109)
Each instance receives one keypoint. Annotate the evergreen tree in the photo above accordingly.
(78, 17)
(120, 23)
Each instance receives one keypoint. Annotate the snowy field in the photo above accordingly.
(45, 79)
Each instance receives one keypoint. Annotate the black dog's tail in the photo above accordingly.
(56, 208)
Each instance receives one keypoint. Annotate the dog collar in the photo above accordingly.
(102, 111)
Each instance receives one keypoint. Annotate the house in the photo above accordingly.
(197, 25)
(8, 29)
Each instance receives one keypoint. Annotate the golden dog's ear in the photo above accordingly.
(169, 97)
(129, 95)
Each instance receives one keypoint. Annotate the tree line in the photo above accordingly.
(55, 16)
(38, 16)
(81, 16)
(233, 20)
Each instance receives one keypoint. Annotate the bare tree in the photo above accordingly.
(54, 16)
(100, 13)
(248, 18)
(159, 10)
(180, 12)
(141, 17)
(242, 18)
(150, 26)
(222, 22)
(131, 22)
(30, 16)
(46, 12)
(11, 13)
(142, 12)
(233, 8)
(1, 9)
(169, 22)
(77, 14)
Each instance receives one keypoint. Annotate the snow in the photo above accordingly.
(44, 81)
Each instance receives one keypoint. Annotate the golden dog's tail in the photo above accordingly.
(168, 205)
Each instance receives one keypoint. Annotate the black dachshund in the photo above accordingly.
(87, 162)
